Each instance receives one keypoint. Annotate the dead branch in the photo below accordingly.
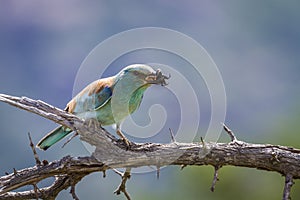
(112, 153)
(122, 187)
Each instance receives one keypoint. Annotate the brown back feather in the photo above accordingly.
(92, 88)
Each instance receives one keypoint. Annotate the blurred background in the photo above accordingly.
(255, 45)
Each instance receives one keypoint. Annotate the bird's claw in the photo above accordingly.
(126, 142)
(123, 138)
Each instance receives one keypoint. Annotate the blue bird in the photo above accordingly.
(109, 100)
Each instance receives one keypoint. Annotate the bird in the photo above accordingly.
(109, 100)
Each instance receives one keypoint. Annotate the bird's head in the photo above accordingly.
(144, 75)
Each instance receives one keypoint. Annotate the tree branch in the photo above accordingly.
(112, 153)
(287, 187)
(122, 187)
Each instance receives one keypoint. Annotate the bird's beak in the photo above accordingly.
(157, 78)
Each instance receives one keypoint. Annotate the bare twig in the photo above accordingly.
(118, 172)
(61, 182)
(172, 136)
(202, 142)
(122, 187)
(67, 171)
(73, 193)
(157, 171)
(233, 139)
(287, 187)
(103, 174)
(215, 179)
(36, 157)
(182, 167)
(36, 189)
(15, 171)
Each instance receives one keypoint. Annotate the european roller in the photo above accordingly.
(109, 100)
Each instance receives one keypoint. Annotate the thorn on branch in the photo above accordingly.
(122, 186)
(36, 157)
(157, 172)
(204, 150)
(202, 142)
(182, 167)
(172, 136)
(118, 172)
(15, 171)
(72, 191)
(233, 139)
(287, 187)
(36, 190)
(230, 133)
(215, 179)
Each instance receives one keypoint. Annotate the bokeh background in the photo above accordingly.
(254, 43)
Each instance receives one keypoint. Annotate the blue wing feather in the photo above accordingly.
(93, 97)
(102, 97)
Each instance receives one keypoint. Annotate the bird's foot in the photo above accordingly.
(124, 139)
(127, 143)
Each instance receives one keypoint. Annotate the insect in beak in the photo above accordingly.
(158, 78)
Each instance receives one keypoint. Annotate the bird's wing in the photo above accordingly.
(93, 97)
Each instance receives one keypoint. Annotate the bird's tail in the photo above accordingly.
(53, 137)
